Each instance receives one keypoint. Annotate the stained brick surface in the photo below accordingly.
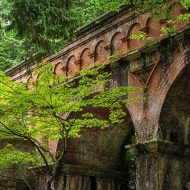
(155, 66)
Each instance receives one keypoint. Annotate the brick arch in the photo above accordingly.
(34, 77)
(100, 113)
(30, 79)
(160, 84)
(174, 120)
(154, 28)
(100, 51)
(59, 68)
(73, 66)
(86, 58)
(117, 45)
(134, 30)
(93, 150)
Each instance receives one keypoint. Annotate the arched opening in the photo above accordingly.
(100, 51)
(59, 69)
(134, 30)
(154, 28)
(72, 67)
(116, 43)
(86, 59)
(21, 185)
(175, 127)
(102, 153)
(175, 115)
(30, 79)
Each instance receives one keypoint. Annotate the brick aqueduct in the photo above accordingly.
(161, 122)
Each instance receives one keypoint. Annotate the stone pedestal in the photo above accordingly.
(74, 177)
(161, 165)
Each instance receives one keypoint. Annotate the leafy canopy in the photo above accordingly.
(45, 108)
(46, 26)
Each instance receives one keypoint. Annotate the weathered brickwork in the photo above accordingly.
(96, 161)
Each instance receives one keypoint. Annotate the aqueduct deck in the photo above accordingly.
(161, 122)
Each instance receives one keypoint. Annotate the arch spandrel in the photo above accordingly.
(165, 70)
(30, 79)
(167, 78)
(158, 86)
(136, 108)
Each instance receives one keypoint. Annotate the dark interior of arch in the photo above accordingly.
(175, 115)
(103, 150)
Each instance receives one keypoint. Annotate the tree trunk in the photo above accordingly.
(48, 183)
(57, 166)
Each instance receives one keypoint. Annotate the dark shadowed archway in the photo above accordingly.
(175, 115)
(175, 127)
(97, 160)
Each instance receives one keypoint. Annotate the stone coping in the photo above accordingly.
(129, 56)
(102, 20)
(165, 147)
(69, 169)
(82, 34)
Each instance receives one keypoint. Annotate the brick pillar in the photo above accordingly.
(161, 165)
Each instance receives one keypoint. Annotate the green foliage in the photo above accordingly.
(54, 109)
(9, 155)
(141, 36)
(47, 106)
(11, 51)
(180, 19)
(185, 3)
(35, 20)
(131, 156)
(168, 30)
(46, 26)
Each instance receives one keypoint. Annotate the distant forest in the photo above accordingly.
(31, 27)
